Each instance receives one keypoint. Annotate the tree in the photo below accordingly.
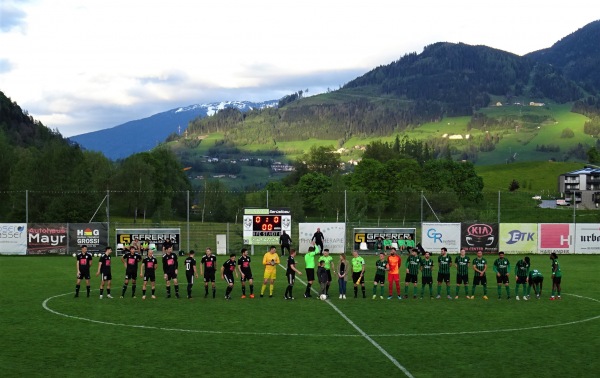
(514, 185)
(593, 155)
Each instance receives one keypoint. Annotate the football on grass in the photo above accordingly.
(323, 297)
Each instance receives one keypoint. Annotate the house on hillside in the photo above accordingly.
(583, 185)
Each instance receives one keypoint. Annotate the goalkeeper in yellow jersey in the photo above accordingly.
(270, 261)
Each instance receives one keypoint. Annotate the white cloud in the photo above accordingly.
(68, 62)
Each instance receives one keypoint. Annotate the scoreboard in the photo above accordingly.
(264, 226)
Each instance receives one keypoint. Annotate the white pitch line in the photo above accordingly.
(362, 333)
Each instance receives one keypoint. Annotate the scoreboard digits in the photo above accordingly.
(266, 223)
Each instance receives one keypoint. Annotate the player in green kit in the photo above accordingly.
(309, 259)
(502, 270)
(521, 272)
(444, 264)
(480, 267)
(413, 265)
(556, 276)
(380, 267)
(462, 272)
(536, 279)
(427, 275)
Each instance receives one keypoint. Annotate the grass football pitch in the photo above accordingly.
(47, 332)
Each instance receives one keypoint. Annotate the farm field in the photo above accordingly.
(48, 332)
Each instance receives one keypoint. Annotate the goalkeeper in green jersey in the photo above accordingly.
(522, 272)
(537, 281)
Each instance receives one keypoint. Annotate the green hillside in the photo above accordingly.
(534, 177)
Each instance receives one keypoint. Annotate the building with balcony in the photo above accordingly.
(583, 186)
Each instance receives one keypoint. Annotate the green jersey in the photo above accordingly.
(502, 266)
(387, 243)
(444, 263)
(380, 267)
(413, 263)
(357, 264)
(409, 243)
(479, 264)
(401, 243)
(328, 260)
(427, 267)
(309, 258)
(462, 265)
(556, 268)
(535, 274)
(522, 268)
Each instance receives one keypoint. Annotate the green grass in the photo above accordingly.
(532, 176)
(131, 337)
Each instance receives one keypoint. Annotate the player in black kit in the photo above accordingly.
(190, 272)
(130, 260)
(227, 271)
(284, 242)
(318, 239)
(84, 261)
(291, 274)
(207, 269)
(148, 271)
(104, 269)
(170, 269)
(245, 273)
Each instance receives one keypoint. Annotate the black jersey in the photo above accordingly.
(169, 263)
(318, 237)
(229, 266)
(244, 263)
(209, 263)
(132, 259)
(150, 264)
(190, 263)
(291, 262)
(85, 260)
(105, 264)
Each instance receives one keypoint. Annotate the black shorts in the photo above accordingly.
(171, 275)
(310, 274)
(556, 280)
(477, 279)
(462, 279)
(209, 276)
(189, 277)
(291, 278)
(247, 276)
(412, 278)
(426, 280)
(106, 276)
(329, 275)
(130, 274)
(503, 279)
(444, 277)
(379, 279)
(356, 276)
(228, 278)
(521, 279)
(536, 280)
(149, 277)
(83, 275)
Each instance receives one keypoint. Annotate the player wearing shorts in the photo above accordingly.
(270, 261)
(190, 272)
(427, 275)
(413, 266)
(148, 272)
(444, 264)
(556, 276)
(227, 271)
(83, 263)
(536, 279)
(170, 270)
(462, 272)
(479, 278)
(246, 273)
(381, 266)
(208, 266)
(291, 274)
(522, 273)
(309, 260)
(329, 266)
(502, 270)
(105, 270)
(130, 261)
(394, 262)
(358, 273)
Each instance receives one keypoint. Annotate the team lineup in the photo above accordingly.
(320, 265)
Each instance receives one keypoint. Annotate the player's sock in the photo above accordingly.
(473, 290)
(457, 290)
(153, 291)
(439, 289)
(508, 291)
(77, 287)
(262, 289)
(144, 292)
(271, 286)
(214, 291)
(528, 289)
(101, 291)
(466, 290)
(405, 289)
(189, 289)
(430, 290)
(499, 290)
(397, 287)
(107, 291)
(228, 291)
(355, 291)
(381, 290)
(243, 289)
(168, 290)
(251, 289)
(133, 290)
(363, 291)
(484, 289)
(205, 289)
(124, 290)
(447, 289)
(327, 289)
(415, 291)
(87, 288)
(374, 289)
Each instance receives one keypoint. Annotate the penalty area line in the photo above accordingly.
(361, 332)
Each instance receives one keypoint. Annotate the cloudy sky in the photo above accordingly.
(80, 66)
